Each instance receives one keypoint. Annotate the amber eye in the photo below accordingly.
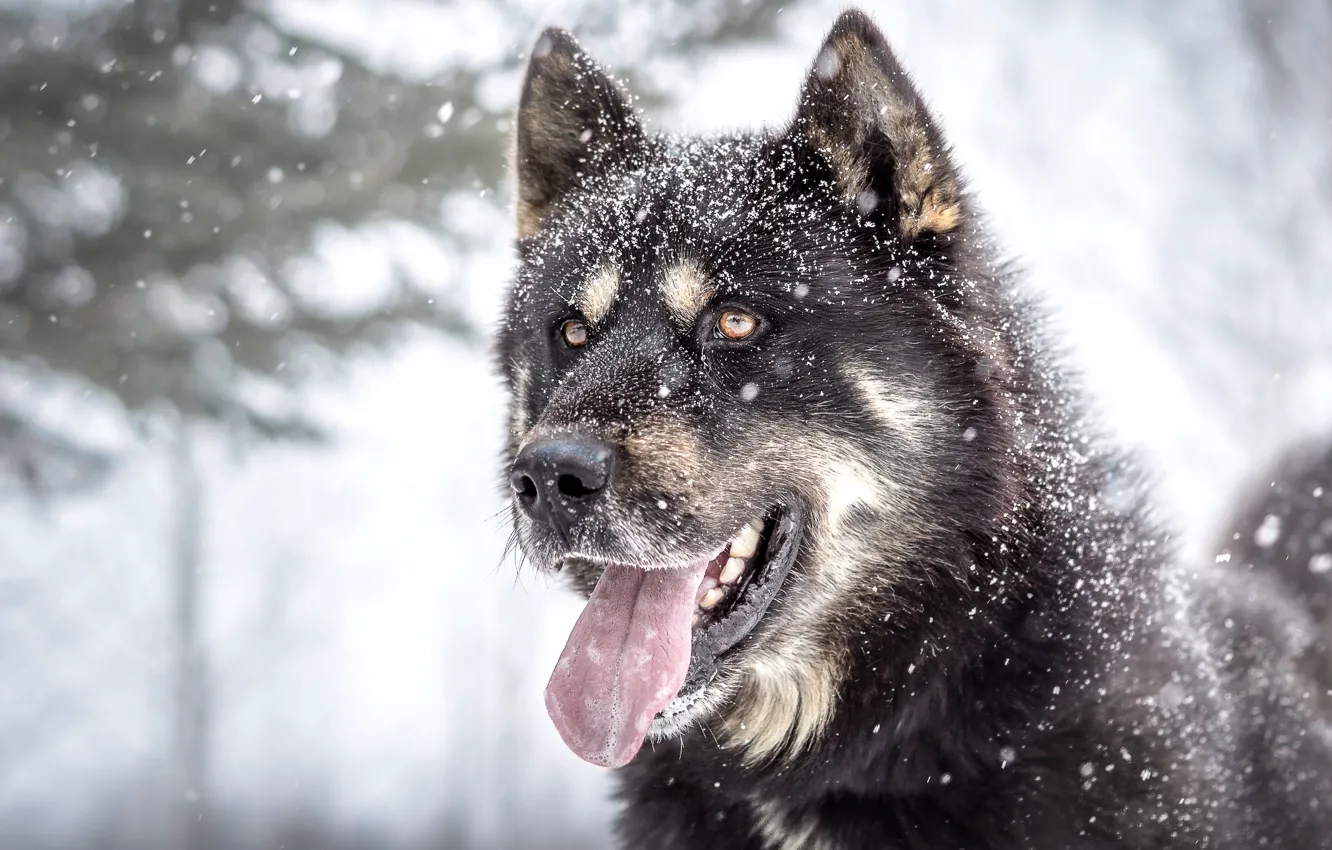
(736, 325)
(574, 333)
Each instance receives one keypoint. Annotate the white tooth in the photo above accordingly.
(708, 583)
(735, 567)
(746, 542)
(712, 597)
(697, 617)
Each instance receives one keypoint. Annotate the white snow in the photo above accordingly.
(1269, 532)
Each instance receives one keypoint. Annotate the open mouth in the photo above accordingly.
(650, 639)
(736, 591)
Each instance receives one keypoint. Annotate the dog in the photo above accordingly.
(861, 571)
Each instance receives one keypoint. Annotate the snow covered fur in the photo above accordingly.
(861, 572)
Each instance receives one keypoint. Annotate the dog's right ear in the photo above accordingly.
(573, 123)
(860, 111)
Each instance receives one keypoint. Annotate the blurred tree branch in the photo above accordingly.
(167, 160)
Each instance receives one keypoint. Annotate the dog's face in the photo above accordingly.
(738, 369)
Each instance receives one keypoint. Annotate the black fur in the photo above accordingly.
(1020, 662)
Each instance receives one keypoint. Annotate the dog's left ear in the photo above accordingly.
(573, 123)
(859, 109)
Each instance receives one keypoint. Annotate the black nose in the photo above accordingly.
(558, 479)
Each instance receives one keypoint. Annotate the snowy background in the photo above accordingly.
(251, 588)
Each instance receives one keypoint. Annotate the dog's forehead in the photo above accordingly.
(669, 235)
(693, 187)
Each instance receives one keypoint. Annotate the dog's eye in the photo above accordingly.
(574, 332)
(734, 324)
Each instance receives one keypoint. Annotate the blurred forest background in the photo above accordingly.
(250, 252)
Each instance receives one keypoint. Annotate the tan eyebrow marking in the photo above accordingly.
(598, 294)
(686, 290)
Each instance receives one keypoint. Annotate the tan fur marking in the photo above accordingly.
(848, 485)
(900, 408)
(598, 295)
(929, 200)
(785, 701)
(667, 456)
(777, 830)
(528, 220)
(518, 423)
(686, 290)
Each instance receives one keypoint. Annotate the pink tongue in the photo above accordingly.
(625, 660)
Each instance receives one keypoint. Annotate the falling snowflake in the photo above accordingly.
(1269, 532)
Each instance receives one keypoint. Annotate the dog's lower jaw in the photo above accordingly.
(761, 711)
(696, 708)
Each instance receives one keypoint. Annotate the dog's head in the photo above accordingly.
(747, 376)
